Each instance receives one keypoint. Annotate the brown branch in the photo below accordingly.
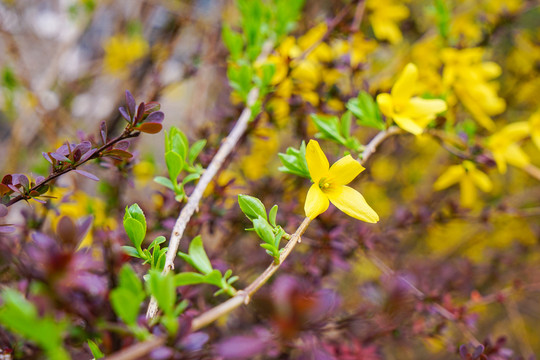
(125, 135)
(371, 147)
(358, 15)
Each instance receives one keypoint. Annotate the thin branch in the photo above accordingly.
(358, 15)
(125, 135)
(532, 171)
(138, 350)
(371, 147)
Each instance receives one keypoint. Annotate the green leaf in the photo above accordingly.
(196, 149)
(157, 241)
(251, 207)
(164, 181)
(177, 142)
(175, 164)
(264, 230)
(129, 280)
(198, 256)
(233, 41)
(136, 213)
(125, 305)
(329, 128)
(346, 122)
(163, 289)
(179, 309)
(188, 278)
(272, 215)
(213, 278)
(190, 177)
(135, 231)
(294, 161)
(366, 110)
(131, 251)
(94, 349)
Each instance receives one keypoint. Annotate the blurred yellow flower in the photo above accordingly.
(534, 124)
(329, 186)
(410, 113)
(122, 50)
(468, 177)
(385, 17)
(505, 148)
(469, 77)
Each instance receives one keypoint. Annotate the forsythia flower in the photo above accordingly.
(329, 185)
(534, 124)
(503, 145)
(410, 113)
(469, 177)
(121, 51)
(385, 16)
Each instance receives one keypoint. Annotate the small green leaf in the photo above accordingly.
(131, 251)
(346, 122)
(213, 278)
(366, 110)
(175, 164)
(251, 207)
(196, 149)
(136, 212)
(233, 41)
(272, 215)
(161, 180)
(188, 278)
(135, 231)
(163, 289)
(94, 349)
(264, 230)
(129, 280)
(329, 128)
(179, 309)
(198, 256)
(125, 305)
(190, 177)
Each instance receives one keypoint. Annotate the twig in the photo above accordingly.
(138, 350)
(358, 15)
(532, 171)
(371, 147)
(193, 201)
(125, 135)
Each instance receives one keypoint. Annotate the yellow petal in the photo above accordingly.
(385, 104)
(316, 202)
(316, 160)
(534, 123)
(481, 180)
(404, 86)
(352, 203)
(499, 158)
(419, 107)
(448, 178)
(468, 192)
(516, 156)
(408, 124)
(344, 171)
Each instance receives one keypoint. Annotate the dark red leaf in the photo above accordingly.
(130, 101)
(87, 174)
(7, 179)
(151, 107)
(3, 210)
(119, 153)
(4, 189)
(103, 132)
(150, 128)
(66, 230)
(124, 114)
(88, 154)
(140, 114)
(42, 189)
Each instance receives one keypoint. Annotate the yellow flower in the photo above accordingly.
(469, 177)
(385, 17)
(121, 51)
(534, 124)
(410, 113)
(329, 186)
(505, 148)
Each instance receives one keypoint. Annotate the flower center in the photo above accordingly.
(324, 184)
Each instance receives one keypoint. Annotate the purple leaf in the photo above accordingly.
(195, 341)
(23, 180)
(122, 145)
(65, 149)
(39, 180)
(5, 228)
(124, 113)
(241, 347)
(87, 174)
(140, 114)
(88, 154)
(39, 200)
(47, 157)
(151, 106)
(59, 157)
(130, 101)
(84, 146)
(85, 226)
(103, 132)
(156, 117)
(3, 210)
